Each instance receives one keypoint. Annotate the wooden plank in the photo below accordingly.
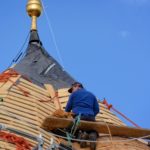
(3, 95)
(9, 84)
(23, 99)
(22, 128)
(3, 91)
(5, 145)
(107, 120)
(34, 97)
(1, 84)
(21, 109)
(9, 123)
(108, 117)
(20, 104)
(20, 115)
(6, 117)
(34, 86)
(63, 92)
(53, 123)
(47, 105)
(34, 89)
(108, 112)
(102, 105)
(17, 91)
(42, 113)
(52, 93)
(105, 110)
(46, 111)
(63, 99)
(33, 93)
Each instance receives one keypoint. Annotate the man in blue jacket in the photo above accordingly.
(84, 103)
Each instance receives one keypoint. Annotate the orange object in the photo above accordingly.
(21, 143)
(110, 106)
(6, 75)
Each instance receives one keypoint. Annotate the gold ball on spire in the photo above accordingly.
(34, 8)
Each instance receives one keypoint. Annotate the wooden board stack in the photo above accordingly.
(25, 112)
(24, 106)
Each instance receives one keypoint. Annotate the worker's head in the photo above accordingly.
(75, 86)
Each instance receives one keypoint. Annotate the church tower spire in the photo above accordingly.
(34, 9)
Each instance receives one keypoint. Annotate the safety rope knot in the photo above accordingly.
(109, 106)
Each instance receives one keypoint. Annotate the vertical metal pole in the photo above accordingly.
(40, 142)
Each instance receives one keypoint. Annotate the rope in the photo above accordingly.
(19, 54)
(114, 141)
(110, 106)
(53, 35)
(75, 125)
(69, 137)
(109, 131)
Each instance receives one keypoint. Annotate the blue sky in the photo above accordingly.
(103, 43)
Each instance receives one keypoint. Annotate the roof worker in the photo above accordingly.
(84, 103)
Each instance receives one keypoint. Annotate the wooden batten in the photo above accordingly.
(52, 93)
(30, 110)
(7, 146)
(54, 123)
(5, 86)
(40, 103)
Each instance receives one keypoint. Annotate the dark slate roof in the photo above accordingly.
(40, 67)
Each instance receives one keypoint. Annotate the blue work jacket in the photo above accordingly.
(83, 102)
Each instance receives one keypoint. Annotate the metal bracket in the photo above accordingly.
(2, 127)
(40, 142)
(53, 145)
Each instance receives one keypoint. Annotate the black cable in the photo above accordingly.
(20, 53)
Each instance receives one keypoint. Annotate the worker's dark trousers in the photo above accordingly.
(88, 118)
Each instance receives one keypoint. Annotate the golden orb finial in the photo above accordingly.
(34, 9)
